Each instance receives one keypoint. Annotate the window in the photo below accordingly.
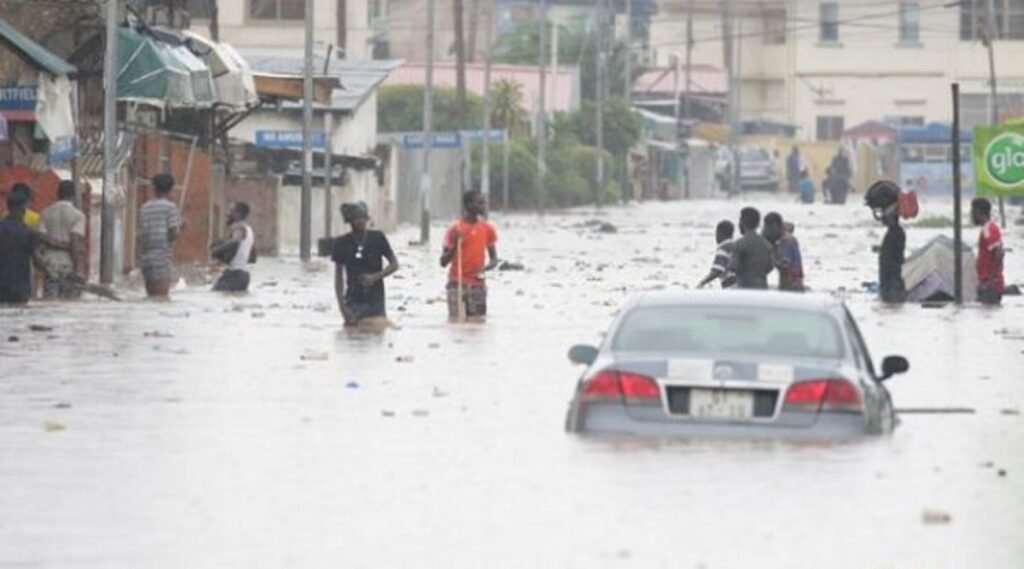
(830, 127)
(909, 121)
(737, 330)
(910, 22)
(1009, 19)
(774, 21)
(829, 22)
(277, 9)
(199, 9)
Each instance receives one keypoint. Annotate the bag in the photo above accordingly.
(908, 205)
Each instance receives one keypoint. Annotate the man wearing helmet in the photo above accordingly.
(884, 198)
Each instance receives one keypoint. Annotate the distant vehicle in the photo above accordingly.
(758, 169)
(732, 364)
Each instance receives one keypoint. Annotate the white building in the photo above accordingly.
(827, 66)
(280, 23)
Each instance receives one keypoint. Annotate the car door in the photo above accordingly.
(878, 401)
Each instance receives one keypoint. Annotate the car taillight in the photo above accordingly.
(618, 386)
(824, 395)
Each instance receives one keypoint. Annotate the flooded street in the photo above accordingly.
(217, 431)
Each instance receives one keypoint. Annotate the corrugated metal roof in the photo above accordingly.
(358, 78)
(32, 51)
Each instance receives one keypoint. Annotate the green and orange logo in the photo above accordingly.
(1004, 159)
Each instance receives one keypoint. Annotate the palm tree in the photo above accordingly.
(507, 106)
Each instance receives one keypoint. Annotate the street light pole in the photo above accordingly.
(542, 121)
(991, 33)
(428, 129)
(485, 167)
(602, 30)
(109, 145)
(305, 200)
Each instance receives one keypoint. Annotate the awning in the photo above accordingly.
(37, 55)
(231, 74)
(160, 74)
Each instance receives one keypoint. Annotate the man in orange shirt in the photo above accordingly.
(468, 243)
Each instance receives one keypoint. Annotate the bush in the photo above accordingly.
(400, 109)
(522, 180)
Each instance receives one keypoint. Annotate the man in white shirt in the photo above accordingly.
(62, 222)
(235, 251)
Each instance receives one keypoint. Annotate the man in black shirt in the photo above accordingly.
(883, 199)
(752, 256)
(19, 249)
(358, 257)
(891, 287)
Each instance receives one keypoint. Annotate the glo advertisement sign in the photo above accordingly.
(999, 160)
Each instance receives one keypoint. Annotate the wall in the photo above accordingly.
(202, 207)
(261, 194)
(867, 74)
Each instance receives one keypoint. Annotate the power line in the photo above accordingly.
(800, 27)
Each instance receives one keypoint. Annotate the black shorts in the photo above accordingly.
(232, 280)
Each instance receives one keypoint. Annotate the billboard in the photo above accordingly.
(999, 160)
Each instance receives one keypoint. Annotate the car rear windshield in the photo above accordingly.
(729, 329)
(753, 154)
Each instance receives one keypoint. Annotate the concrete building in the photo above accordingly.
(828, 66)
(280, 23)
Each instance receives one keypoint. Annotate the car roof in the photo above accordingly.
(809, 302)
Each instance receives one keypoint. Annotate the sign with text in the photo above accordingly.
(999, 160)
(18, 102)
(438, 140)
(287, 139)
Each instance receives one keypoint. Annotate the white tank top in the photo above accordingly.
(241, 258)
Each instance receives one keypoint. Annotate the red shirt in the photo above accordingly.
(990, 270)
(476, 238)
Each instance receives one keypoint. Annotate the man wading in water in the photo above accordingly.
(236, 251)
(466, 244)
(358, 259)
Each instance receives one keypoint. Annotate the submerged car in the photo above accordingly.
(732, 363)
(758, 170)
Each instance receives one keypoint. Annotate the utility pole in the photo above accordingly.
(728, 16)
(428, 129)
(689, 56)
(625, 189)
(328, 154)
(109, 146)
(991, 34)
(460, 66)
(485, 167)
(686, 99)
(542, 121)
(602, 31)
(305, 203)
(627, 80)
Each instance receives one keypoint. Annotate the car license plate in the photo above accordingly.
(721, 404)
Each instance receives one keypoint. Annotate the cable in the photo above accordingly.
(790, 29)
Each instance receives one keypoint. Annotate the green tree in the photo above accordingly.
(577, 45)
(400, 109)
(507, 107)
(622, 126)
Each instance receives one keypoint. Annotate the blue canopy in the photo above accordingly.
(933, 132)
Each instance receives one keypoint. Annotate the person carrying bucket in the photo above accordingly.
(469, 251)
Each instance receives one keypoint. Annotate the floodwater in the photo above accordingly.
(216, 431)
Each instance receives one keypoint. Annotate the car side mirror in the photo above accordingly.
(893, 365)
(582, 354)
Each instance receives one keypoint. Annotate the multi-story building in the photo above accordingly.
(825, 66)
(346, 24)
